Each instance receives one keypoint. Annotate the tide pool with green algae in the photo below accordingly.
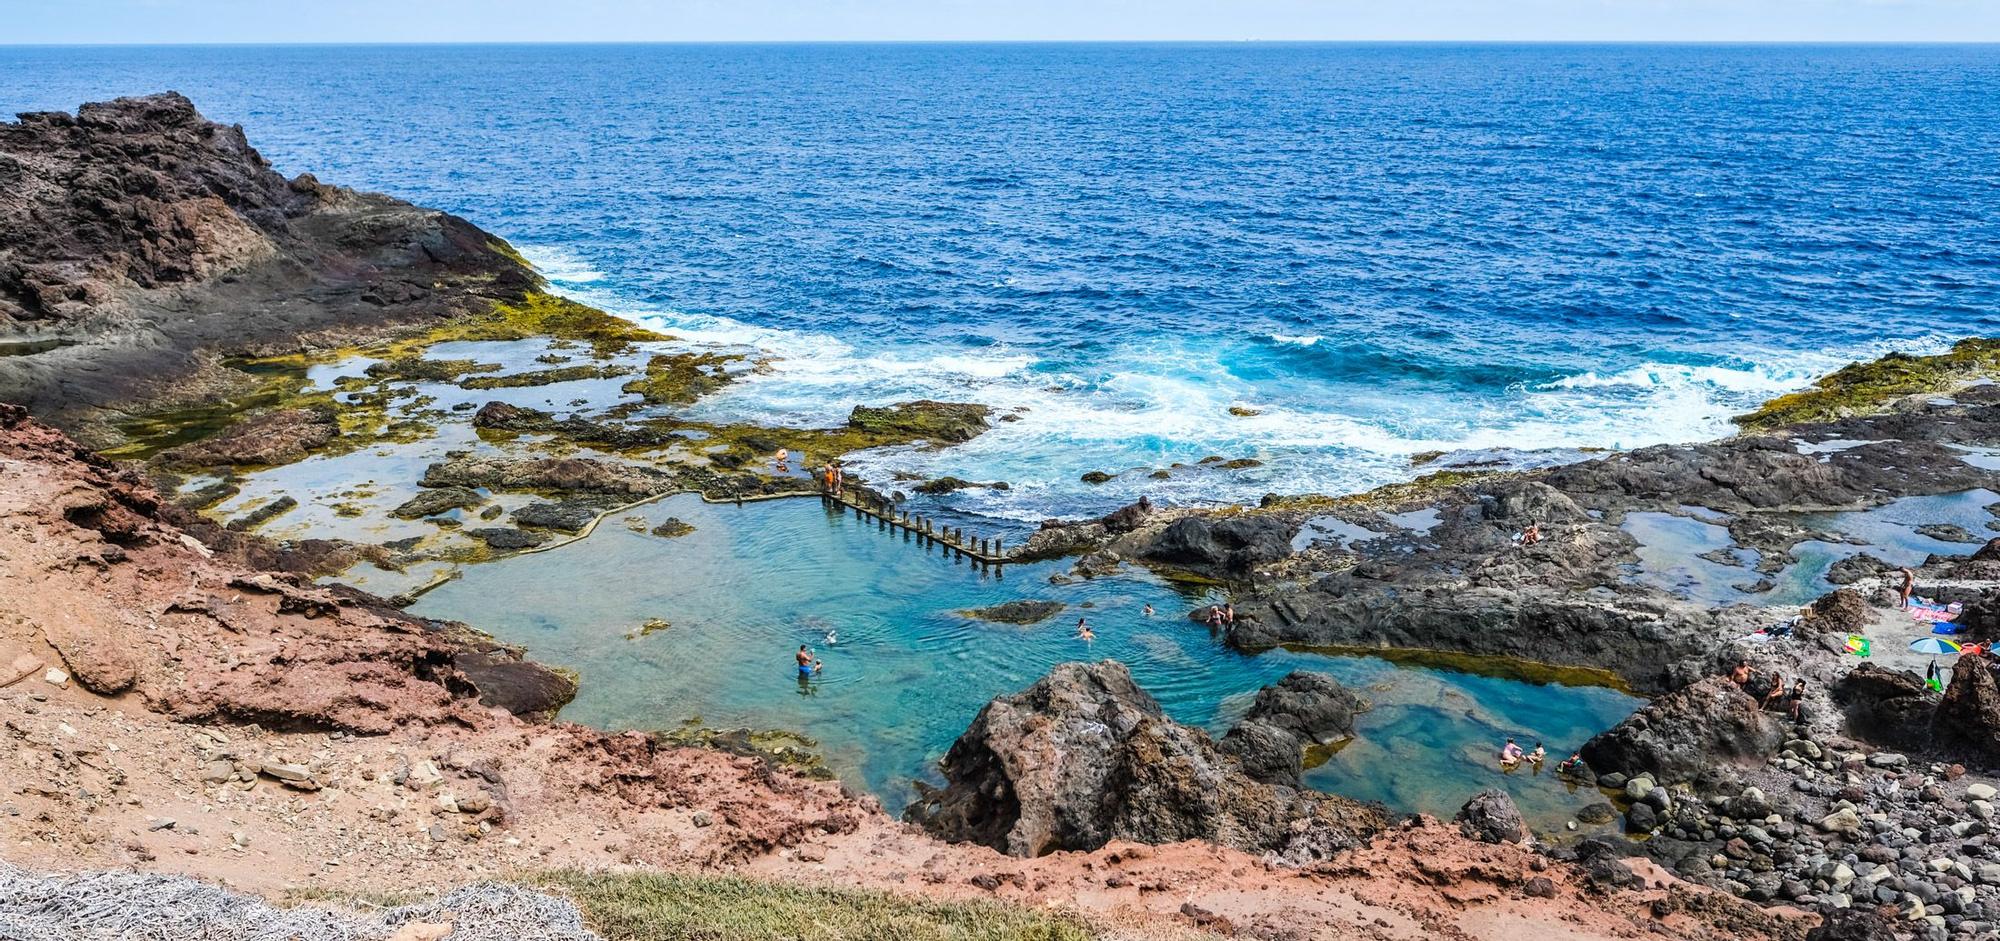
(906, 671)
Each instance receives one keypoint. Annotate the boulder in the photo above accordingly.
(1967, 720)
(1300, 710)
(1491, 817)
(506, 538)
(1842, 611)
(1313, 707)
(1229, 546)
(568, 516)
(1890, 707)
(438, 500)
(1017, 612)
(1084, 757)
(1860, 923)
(1688, 731)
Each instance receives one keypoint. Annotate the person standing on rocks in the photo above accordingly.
(1909, 588)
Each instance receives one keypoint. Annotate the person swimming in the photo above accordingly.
(1149, 610)
(830, 638)
(1083, 630)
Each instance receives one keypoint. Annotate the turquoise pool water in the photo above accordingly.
(905, 672)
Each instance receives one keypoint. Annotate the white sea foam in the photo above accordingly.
(560, 265)
(1310, 339)
(1167, 401)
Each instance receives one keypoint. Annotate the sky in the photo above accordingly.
(232, 21)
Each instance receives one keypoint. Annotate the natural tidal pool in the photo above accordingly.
(905, 672)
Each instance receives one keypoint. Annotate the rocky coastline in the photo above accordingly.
(164, 296)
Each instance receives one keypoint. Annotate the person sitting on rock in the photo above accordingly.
(1777, 693)
(783, 460)
(1538, 755)
(1510, 755)
(1531, 535)
(1573, 766)
(1740, 674)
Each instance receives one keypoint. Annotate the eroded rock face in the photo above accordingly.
(1967, 721)
(1891, 707)
(1683, 733)
(1302, 709)
(1084, 757)
(118, 221)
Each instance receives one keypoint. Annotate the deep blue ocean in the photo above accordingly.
(1380, 249)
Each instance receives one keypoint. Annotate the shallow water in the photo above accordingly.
(906, 672)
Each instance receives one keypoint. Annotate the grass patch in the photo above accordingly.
(668, 907)
(681, 378)
(1865, 388)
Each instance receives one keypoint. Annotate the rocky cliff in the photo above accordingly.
(139, 241)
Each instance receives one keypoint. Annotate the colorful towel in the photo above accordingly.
(1858, 645)
(1923, 610)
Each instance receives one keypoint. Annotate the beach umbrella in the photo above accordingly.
(1934, 645)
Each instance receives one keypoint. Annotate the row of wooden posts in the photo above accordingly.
(980, 550)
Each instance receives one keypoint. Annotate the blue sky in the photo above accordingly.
(143, 21)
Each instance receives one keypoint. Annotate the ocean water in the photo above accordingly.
(1380, 249)
(906, 671)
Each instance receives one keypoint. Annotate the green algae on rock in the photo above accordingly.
(923, 420)
(543, 377)
(779, 747)
(1864, 388)
(681, 378)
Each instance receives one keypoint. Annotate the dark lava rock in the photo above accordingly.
(1084, 757)
(522, 687)
(1678, 736)
(1857, 567)
(1854, 924)
(942, 485)
(1095, 477)
(1313, 707)
(1302, 709)
(1229, 546)
(279, 437)
(1017, 612)
(672, 527)
(1890, 707)
(562, 474)
(1947, 532)
(501, 416)
(936, 422)
(1967, 721)
(1843, 611)
(262, 514)
(435, 501)
(1491, 817)
(506, 538)
(152, 235)
(569, 516)
(1600, 812)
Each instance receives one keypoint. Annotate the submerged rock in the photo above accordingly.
(569, 516)
(438, 500)
(272, 438)
(1017, 612)
(1684, 733)
(672, 527)
(1084, 757)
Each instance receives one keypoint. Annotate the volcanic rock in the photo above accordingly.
(1686, 732)
(1084, 757)
(1491, 817)
(279, 437)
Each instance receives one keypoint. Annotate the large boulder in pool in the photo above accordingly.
(1685, 732)
(1301, 710)
(1084, 757)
